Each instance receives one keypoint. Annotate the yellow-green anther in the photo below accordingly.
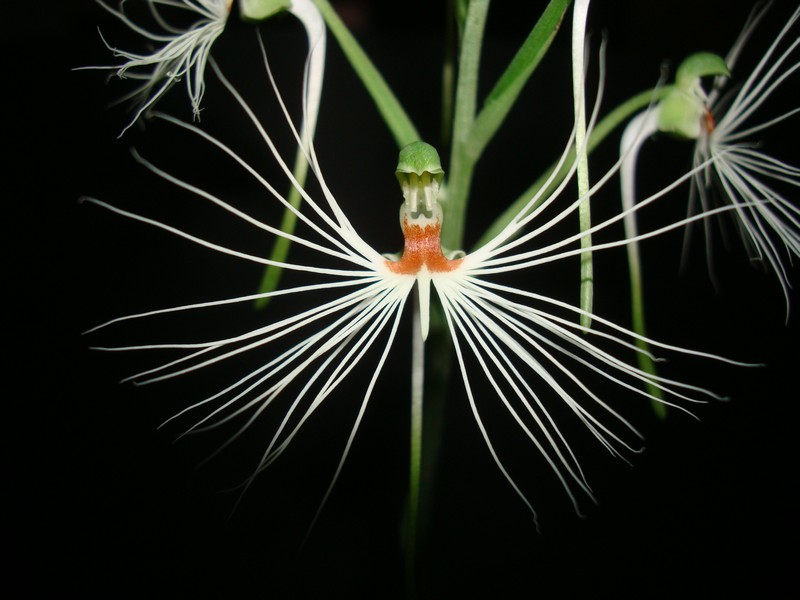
(259, 10)
(420, 174)
(682, 111)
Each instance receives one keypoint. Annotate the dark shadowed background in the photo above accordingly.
(102, 503)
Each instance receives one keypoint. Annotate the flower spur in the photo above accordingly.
(513, 335)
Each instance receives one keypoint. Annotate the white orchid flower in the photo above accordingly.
(737, 171)
(769, 223)
(182, 53)
(532, 349)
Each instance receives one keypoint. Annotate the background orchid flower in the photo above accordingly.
(180, 53)
(740, 172)
(729, 167)
(737, 171)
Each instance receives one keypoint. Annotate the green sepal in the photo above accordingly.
(695, 66)
(260, 10)
(419, 158)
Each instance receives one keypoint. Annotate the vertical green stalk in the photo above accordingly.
(581, 8)
(636, 133)
(646, 363)
(463, 155)
(415, 473)
(448, 72)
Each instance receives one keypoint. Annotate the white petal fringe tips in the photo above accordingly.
(180, 53)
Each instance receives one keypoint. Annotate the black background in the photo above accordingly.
(101, 503)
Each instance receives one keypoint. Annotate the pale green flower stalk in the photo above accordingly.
(530, 348)
(736, 171)
(580, 10)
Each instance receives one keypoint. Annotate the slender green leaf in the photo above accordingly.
(508, 87)
(462, 159)
(388, 105)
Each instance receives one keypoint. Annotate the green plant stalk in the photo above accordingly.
(463, 156)
(587, 268)
(643, 126)
(644, 359)
(508, 87)
(584, 210)
(415, 470)
(428, 423)
(389, 107)
(599, 133)
(449, 72)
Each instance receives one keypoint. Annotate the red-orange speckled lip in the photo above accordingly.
(423, 247)
(710, 123)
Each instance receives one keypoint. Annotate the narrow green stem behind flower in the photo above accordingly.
(646, 363)
(636, 133)
(464, 156)
(415, 472)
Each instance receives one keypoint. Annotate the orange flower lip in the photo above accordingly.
(709, 121)
(423, 248)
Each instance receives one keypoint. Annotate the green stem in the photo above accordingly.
(415, 472)
(584, 210)
(449, 72)
(637, 132)
(646, 363)
(507, 89)
(463, 157)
